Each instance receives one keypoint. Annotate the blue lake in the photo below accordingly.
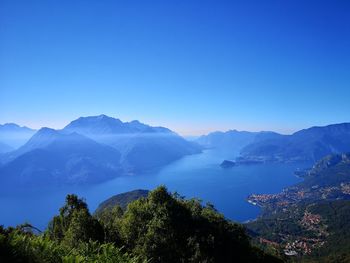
(197, 175)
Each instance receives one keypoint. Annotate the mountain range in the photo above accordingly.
(305, 145)
(142, 147)
(230, 139)
(98, 148)
(53, 157)
(233, 139)
(92, 149)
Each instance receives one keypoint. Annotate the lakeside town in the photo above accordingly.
(284, 206)
(296, 194)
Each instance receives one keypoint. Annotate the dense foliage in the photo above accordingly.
(158, 228)
(336, 215)
(20, 246)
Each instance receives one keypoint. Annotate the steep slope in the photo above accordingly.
(14, 135)
(305, 145)
(143, 147)
(330, 171)
(51, 157)
(41, 139)
(4, 148)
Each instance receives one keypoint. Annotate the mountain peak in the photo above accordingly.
(47, 130)
(97, 118)
(101, 122)
(13, 127)
(105, 125)
(42, 137)
(135, 122)
(14, 135)
(102, 117)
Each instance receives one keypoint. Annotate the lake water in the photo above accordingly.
(197, 175)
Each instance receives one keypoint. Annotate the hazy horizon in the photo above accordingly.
(278, 130)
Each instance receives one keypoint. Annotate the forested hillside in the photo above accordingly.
(158, 228)
(309, 221)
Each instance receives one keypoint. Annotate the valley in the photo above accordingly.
(94, 158)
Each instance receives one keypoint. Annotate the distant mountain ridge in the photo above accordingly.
(14, 136)
(52, 157)
(93, 149)
(305, 145)
(104, 125)
(233, 139)
(11, 127)
(40, 139)
(143, 147)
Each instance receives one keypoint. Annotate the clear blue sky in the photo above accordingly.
(193, 66)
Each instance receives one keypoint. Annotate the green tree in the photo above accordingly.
(110, 218)
(75, 224)
(166, 228)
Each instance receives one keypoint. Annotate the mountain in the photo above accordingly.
(310, 219)
(329, 162)
(41, 139)
(142, 147)
(122, 200)
(331, 171)
(4, 148)
(14, 135)
(93, 149)
(104, 125)
(305, 145)
(229, 139)
(54, 157)
(328, 179)
(233, 139)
